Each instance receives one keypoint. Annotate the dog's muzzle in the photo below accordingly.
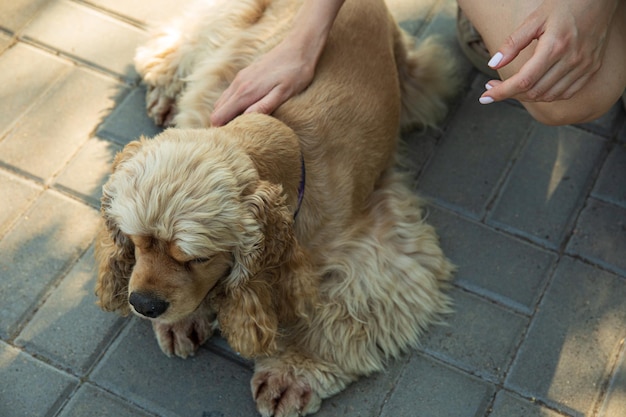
(148, 304)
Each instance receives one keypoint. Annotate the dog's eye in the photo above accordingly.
(199, 261)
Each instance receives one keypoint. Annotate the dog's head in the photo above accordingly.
(184, 214)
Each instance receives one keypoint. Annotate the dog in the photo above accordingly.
(293, 234)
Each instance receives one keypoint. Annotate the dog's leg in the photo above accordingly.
(382, 288)
(184, 337)
(294, 384)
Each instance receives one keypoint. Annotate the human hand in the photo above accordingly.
(571, 40)
(267, 83)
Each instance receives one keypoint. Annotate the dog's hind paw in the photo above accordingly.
(161, 108)
(279, 393)
(183, 338)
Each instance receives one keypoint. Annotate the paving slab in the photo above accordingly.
(22, 193)
(492, 263)
(67, 329)
(29, 387)
(48, 238)
(136, 369)
(600, 235)
(574, 340)
(548, 184)
(615, 402)
(51, 132)
(510, 405)
(15, 14)
(611, 183)
(88, 170)
(482, 347)
(147, 13)
(26, 73)
(92, 401)
(88, 35)
(429, 388)
(473, 156)
(129, 121)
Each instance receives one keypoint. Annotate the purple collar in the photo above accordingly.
(301, 186)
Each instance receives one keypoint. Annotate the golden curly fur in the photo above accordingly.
(198, 229)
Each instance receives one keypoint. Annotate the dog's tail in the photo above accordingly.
(428, 79)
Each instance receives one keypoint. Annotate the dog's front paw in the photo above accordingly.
(184, 337)
(161, 107)
(279, 393)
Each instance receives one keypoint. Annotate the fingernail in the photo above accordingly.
(495, 60)
(485, 100)
(488, 86)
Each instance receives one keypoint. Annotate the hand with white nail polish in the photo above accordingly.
(569, 40)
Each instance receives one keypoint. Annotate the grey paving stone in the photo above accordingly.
(49, 237)
(607, 124)
(207, 384)
(94, 402)
(473, 156)
(484, 347)
(89, 170)
(29, 387)
(53, 131)
(548, 184)
(69, 329)
(152, 13)
(365, 397)
(491, 263)
(508, 405)
(25, 74)
(88, 35)
(600, 235)
(412, 16)
(429, 388)
(415, 149)
(129, 121)
(15, 14)
(565, 358)
(615, 402)
(611, 184)
(16, 194)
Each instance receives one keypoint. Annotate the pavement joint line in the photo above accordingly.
(137, 24)
(129, 79)
(405, 360)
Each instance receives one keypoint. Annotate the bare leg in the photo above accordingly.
(497, 20)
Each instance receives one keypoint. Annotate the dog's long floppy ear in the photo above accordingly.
(249, 314)
(114, 252)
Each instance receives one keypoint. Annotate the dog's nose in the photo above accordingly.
(148, 304)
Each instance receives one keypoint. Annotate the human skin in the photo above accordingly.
(284, 71)
(564, 60)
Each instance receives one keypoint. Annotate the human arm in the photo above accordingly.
(284, 71)
(569, 49)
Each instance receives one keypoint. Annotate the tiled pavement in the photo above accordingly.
(534, 217)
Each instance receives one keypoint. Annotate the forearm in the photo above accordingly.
(311, 27)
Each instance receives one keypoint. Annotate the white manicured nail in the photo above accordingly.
(485, 100)
(495, 60)
(488, 86)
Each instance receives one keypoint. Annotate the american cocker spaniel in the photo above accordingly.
(293, 234)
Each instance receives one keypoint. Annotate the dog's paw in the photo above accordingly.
(184, 337)
(161, 107)
(279, 393)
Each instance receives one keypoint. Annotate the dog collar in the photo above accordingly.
(301, 186)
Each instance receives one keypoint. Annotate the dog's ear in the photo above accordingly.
(114, 252)
(249, 315)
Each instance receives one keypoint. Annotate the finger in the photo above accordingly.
(516, 42)
(269, 103)
(524, 80)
